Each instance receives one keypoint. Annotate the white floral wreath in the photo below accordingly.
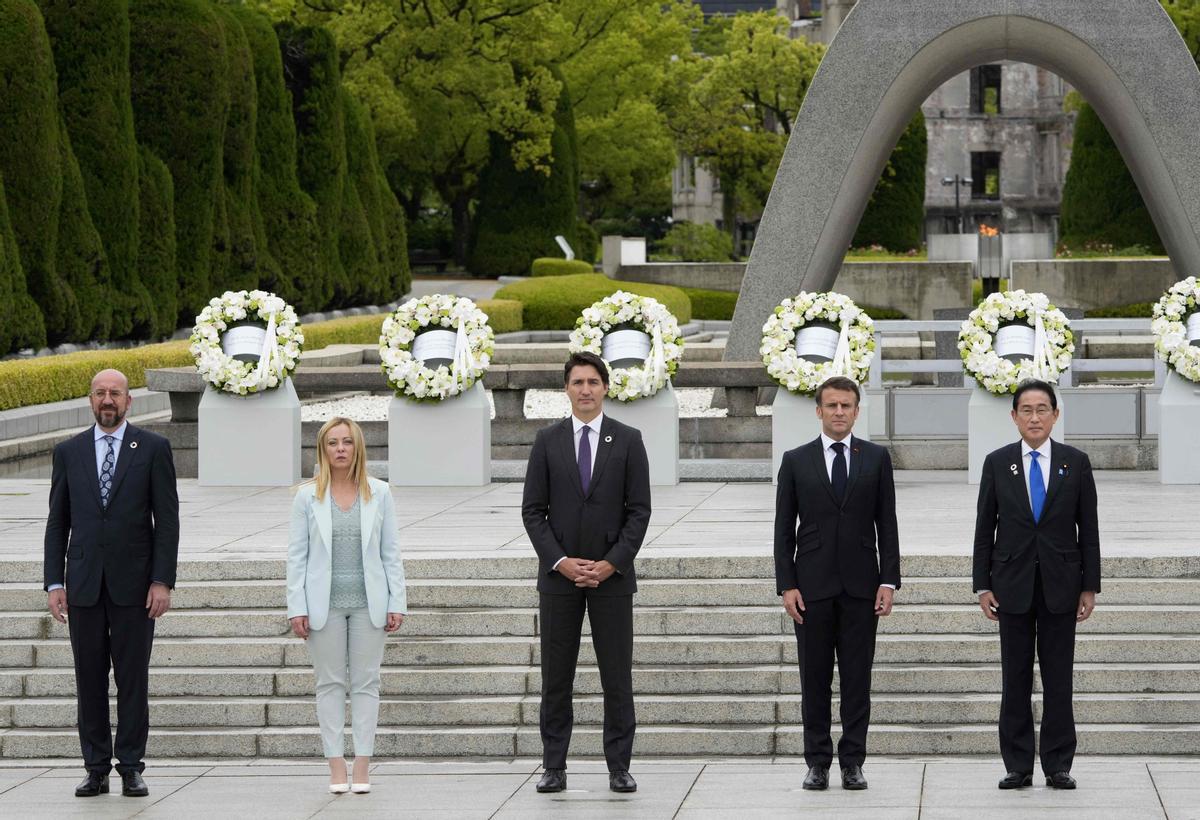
(1171, 314)
(856, 341)
(281, 348)
(642, 313)
(1054, 343)
(473, 347)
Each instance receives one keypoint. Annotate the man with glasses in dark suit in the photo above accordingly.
(112, 540)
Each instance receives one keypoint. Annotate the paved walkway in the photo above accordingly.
(938, 789)
(1138, 516)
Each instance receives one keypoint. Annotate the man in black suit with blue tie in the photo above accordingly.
(835, 508)
(586, 507)
(1037, 572)
(112, 540)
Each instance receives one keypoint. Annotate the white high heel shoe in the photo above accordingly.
(360, 788)
(339, 788)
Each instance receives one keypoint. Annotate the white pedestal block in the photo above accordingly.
(250, 440)
(794, 422)
(442, 444)
(1178, 442)
(658, 419)
(990, 426)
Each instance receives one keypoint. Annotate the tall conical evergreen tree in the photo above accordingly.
(895, 216)
(156, 240)
(80, 258)
(20, 318)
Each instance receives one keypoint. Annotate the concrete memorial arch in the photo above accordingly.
(1125, 56)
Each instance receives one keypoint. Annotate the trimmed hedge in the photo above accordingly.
(713, 305)
(20, 319)
(180, 90)
(548, 266)
(31, 161)
(156, 240)
(554, 303)
(1138, 310)
(895, 214)
(25, 382)
(1101, 202)
(90, 39)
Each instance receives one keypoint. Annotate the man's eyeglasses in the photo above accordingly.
(1029, 412)
(112, 394)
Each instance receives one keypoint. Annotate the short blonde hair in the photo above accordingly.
(358, 464)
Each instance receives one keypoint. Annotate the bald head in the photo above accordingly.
(110, 399)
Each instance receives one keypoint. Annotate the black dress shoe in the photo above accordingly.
(621, 781)
(1017, 780)
(817, 779)
(852, 778)
(553, 780)
(1060, 780)
(132, 785)
(92, 785)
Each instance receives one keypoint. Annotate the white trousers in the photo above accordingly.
(346, 654)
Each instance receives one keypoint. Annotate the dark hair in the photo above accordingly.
(839, 383)
(585, 359)
(1035, 384)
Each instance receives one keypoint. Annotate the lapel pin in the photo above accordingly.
(608, 439)
(1013, 467)
(133, 445)
(1060, 471)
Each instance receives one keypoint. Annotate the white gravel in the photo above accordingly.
(694, 402)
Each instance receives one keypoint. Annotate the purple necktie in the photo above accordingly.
(585, 458)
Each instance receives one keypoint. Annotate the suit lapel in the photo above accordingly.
(1055, 479)
(566, 449)
(816, 453)
(856, 458)
(324, 511)
(1018, 481)
(367, 516)
(87, 459)
(125, 455)
(604, 446)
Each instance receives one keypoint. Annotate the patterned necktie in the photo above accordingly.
(838, 476)
(106, 471)
(585, 458)
(1037, 487)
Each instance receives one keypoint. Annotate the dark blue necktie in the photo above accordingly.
(1037, 487)
(585, 458)
(838, 475)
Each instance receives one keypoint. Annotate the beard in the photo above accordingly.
(109, 417)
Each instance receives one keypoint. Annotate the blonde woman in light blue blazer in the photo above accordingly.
(345, 592)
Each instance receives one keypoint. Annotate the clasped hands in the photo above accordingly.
(793, 603)
(585, 573)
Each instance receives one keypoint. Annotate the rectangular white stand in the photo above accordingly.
(251, 441)
(990, 426)
(794, 422)
(441, 444)
(1178, 437)
(657, 417)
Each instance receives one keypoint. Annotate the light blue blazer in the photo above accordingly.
(310, 556)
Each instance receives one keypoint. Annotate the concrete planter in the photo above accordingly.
(990, 426)
(442, 444)
(1178, 444)
(794, 422)
(657, 418)
(249, 440)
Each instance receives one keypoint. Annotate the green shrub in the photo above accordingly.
(711, 304)
(311, 72)
(587, 242)
(1138, 310)
(31, 162)
(520, 212)
(554, 303)
(690, 242)
(504, 315)
(20, 319)
(883, 312)
(180, 90)
(548, 266)
(895, 215)
(156, 241)
(1101, 203)
(90, 39)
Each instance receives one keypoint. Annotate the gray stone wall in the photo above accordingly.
(1093, 283)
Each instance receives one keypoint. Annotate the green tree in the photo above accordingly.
(734, 111)
(1101, 202)
(156, 240)
(90, 39)
(20, 318)
(31, 162)
(895, 214)
(356, 243)
(180, 93)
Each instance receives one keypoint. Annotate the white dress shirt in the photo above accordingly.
(1043, 465)
(593, 439)
(830, 455)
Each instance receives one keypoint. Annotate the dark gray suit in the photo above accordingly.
(607, 523)
(107, 558)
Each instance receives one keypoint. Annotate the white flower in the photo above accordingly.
(408, 376)
(620, 308)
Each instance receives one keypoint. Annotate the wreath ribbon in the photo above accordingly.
(464, 360)
(841, 356)
(270, 345)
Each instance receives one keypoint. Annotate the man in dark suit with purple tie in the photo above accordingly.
(586, 507)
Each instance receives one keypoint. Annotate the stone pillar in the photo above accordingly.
(1178, 442)
(251, 441)
(990, 426)
(657, 417)
(794, 422)
(441, 444)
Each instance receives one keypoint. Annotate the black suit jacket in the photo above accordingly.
(823, 548)
(131, 543)
(608, 523)
(1065, 542)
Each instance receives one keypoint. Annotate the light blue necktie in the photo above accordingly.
(1037, 487)
(106, 471)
